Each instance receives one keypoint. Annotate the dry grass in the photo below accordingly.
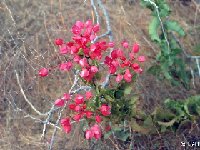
(26, 44)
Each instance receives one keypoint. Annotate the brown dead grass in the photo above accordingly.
(26, 43)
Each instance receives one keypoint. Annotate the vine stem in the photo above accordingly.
(161, 23)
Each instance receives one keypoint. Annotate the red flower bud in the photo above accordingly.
(58, 41)
(43, 72)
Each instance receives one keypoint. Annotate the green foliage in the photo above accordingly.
(175, 115)
(126, 112)
(153, 29)
(169, 64)
(172, 116)
(174, 26)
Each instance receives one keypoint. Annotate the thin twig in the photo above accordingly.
(26, 99)
(109, 33)
(95, 10)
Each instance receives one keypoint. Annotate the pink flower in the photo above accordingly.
(127, 63)
(89, 134)
(67, 128)
(64, 49)
(58, 41)
(115, 63)
(114, 54)
(107, 128)
(125, 44)
(72, 106)
(132, 56)
(83, 62)
(77, 108)
(75, 29)
(66, 124)
(66, 96)
(96, 28)
(97, 131)
(141, 58)
(94, 131)
(112, 69)
(88, 114)
(66, 66)
(80, 24)
(119, 78)
(98, 118)
(43, 72)
(139, 70)
(94, 69)
(93, 47)
(89, 77)
(135, 66)
(88, 31)
(111, 44)
(74, 49)
(65, 121)
(92, 37)
(77, 58)
(88, 23)
(107, 60)
(79, 99)
(77, 117)
(105, 110)
(88, 95)
(59, 102)
(136, 48)
(84, 106)
(84, 73)
(127, 76)
(120, 53)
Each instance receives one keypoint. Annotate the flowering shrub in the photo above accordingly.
(99, 105)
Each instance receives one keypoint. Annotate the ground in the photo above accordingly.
(28, 29)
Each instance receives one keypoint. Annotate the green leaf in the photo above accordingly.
(165, 10)
(192, 106)
(107, 134)
(148, 123)
(122, 135)
(167, 124)
(164, 117)
(139, 128)
(163, 129)
(119, 94)
(174, 26)
(153, 29)
(165, 70)
(175, 51)
(155, 70)
(175, 107)
(128, 90)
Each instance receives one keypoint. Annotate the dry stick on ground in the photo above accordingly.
(26, 99)
(17, 109)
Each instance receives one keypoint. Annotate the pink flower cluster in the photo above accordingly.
(82, 49)
(94, 131)
(118, 61)
(79, 111)
(81, 52)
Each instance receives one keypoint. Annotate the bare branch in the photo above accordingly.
(95, 10)
(26, 99)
